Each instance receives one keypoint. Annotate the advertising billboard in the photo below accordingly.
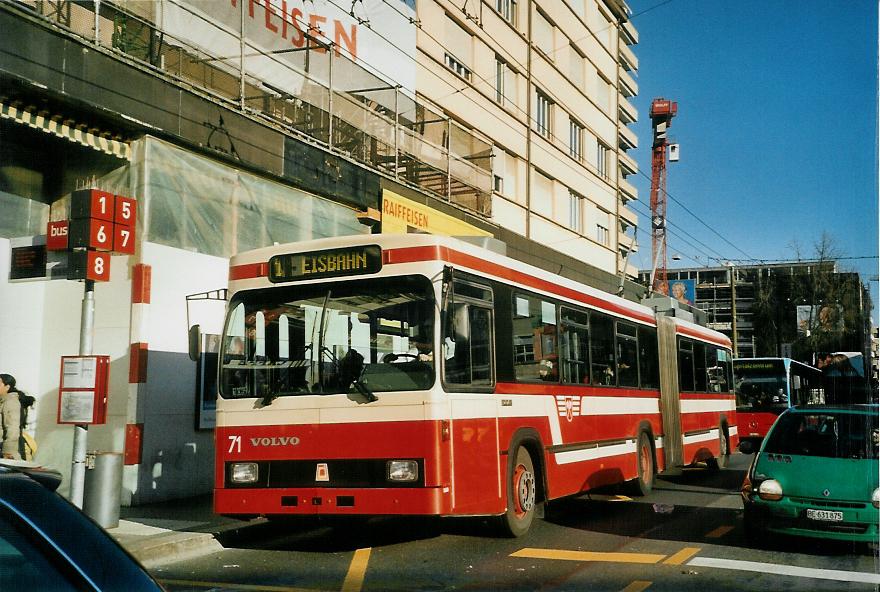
(824, 318)
(377, 36)
(685, 291)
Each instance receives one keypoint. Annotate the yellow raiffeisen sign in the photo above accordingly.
(401, 216)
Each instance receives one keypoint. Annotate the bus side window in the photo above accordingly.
(700, 377)
(468, 337)
(574, 346)
(468, 351)
(603, 368)
(627, 355)
(648, 362)
(685, 365)
(534, 334)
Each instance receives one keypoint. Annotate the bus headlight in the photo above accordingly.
(244, 472)
(770, 490)
(403, 470)
(875, 498)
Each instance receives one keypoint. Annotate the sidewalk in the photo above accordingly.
(176, 529)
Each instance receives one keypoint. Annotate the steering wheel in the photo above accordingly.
(392, 357)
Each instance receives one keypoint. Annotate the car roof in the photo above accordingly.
(28, 492)
(48, 478)
(867, 408)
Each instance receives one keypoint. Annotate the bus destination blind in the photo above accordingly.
(327, 263)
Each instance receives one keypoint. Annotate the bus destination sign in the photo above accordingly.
(327, 263)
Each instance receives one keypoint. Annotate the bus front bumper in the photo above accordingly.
(426, 501)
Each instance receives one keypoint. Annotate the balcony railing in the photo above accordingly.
(628, 85)
(628, 112)
(627, 165)
(627, 139)
(626, 57)
(375, 124)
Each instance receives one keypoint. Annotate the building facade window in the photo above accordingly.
(543, 113)
(457, 67)
(575, 204)
(507, 10)
(500, 77)
(602, 234)
(602, 160)
(575, 140)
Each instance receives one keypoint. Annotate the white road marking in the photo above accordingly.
(786, 570)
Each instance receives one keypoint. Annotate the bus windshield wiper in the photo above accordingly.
(350, 370)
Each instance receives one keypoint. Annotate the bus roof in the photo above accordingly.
(410, 248)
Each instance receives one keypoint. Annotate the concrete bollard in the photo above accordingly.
(103, 487)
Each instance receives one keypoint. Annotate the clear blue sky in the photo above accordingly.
(777, 124)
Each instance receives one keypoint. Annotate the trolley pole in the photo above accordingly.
(81, 431)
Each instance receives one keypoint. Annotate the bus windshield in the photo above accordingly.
(760, 385)
(362, 336)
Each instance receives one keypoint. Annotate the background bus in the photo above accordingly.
(423, 375)
(845, 379)
(765, 387)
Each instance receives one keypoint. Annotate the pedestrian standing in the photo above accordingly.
(10, 418)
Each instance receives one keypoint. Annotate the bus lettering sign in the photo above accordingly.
(327, 263)
(275, 441)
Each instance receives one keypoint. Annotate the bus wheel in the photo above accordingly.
(521, 494)
(723, 458)
(644, 483)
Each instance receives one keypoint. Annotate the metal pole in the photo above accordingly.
(448, 160)
(241, 55)
(81, 431)
(97, 22)
(732, 271)
(396, 129)
(330, 96)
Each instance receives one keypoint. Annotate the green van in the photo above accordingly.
(816, 475)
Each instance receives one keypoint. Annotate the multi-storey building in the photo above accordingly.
(242, 123)
(547, 84)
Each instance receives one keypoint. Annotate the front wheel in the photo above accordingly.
(521, 495)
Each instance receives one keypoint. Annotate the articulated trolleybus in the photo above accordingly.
(424, 375)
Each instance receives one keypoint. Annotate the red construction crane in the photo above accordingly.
(662, 112)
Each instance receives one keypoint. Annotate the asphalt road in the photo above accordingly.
(687, 535)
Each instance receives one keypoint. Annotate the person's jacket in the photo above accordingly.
(10, 425)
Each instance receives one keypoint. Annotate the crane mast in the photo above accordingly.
(662, 112)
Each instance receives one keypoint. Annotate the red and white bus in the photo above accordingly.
(424, 375)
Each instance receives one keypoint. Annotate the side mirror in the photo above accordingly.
(746, 447)
(195, 342)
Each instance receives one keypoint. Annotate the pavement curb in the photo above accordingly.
(173, 547)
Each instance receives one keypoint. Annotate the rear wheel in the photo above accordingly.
(644, 482)
(521, 495)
